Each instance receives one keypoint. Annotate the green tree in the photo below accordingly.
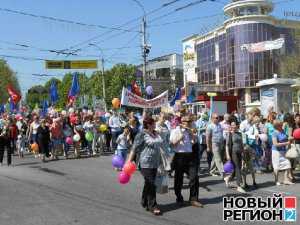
(36, 95)
(7, 76)
(290, 63)
(119, 76)
(115, 78)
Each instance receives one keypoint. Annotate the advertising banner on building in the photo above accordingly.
(263, 46)
(130, 99)
(189, 61)
(268, 100)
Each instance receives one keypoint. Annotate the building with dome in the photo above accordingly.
(234, 57)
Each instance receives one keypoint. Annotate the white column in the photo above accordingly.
(217, 76)
(247, 96)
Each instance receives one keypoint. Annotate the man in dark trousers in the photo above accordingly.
(5, 144)
(183, 139)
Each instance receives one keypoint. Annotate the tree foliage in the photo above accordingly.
(115, 78)
(290, 63)
(7, 76)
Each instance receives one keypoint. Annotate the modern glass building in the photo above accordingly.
(222, 63)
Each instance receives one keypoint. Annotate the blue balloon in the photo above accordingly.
(149, 90)
(228, 167)
(118, 161)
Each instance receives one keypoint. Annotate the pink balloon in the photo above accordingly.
(123, 178)
(69, 140)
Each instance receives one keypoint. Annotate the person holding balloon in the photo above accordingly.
(148, 144)
(124, 143)
(115, 126)
(77, 138)
(32, 132)
(68, 134)
(88, 127)
(234, 149)
(296, 135)
(288, 125)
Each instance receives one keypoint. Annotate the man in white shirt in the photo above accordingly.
(115, 127)
(182, 139)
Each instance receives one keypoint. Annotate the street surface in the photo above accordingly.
(86, 192)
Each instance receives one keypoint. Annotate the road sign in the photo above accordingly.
(211, 94)
(67, 64)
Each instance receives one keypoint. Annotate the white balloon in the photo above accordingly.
(76, 137)
(71, 110)
(64, 112)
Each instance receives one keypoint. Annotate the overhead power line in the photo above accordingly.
(64, 20)
(179, 9)
(120, 26)
(155, 19)
(186, 20)
(22, 57)
(116, 52)
(26, 46)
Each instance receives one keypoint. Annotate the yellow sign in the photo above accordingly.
(80, 64)
(211, 94)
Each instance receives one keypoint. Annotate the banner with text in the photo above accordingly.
(130, 99)
(264, 46)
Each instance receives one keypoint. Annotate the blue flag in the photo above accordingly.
(176, 97)
(12, 106)
(53, 92)
(74, 90)
(44, 109)
(2, 108)
(191, 96)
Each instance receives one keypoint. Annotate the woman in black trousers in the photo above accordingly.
(148, 143)
(234, 149)
(43, 139)
(5, 144)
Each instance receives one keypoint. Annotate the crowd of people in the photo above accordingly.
(251, 143)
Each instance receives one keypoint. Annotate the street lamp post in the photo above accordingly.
(145, 46)
(103, 78)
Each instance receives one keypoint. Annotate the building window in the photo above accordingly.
(163, 73)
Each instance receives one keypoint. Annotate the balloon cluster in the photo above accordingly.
(128, 169)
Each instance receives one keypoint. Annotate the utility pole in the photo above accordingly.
(103, 85)
(144, 51)
(103, 78)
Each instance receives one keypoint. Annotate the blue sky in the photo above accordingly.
(41, 34)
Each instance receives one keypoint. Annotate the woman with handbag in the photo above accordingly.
(148, 144)
(288, 126)
(280, 162)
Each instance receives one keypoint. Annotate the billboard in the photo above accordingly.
(189, 61)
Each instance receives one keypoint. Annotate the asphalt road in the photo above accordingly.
(86, 192)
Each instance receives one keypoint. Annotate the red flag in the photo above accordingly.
(15, 96)
(71, 100)
(136, 89)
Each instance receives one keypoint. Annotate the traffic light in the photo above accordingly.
(147, 49)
